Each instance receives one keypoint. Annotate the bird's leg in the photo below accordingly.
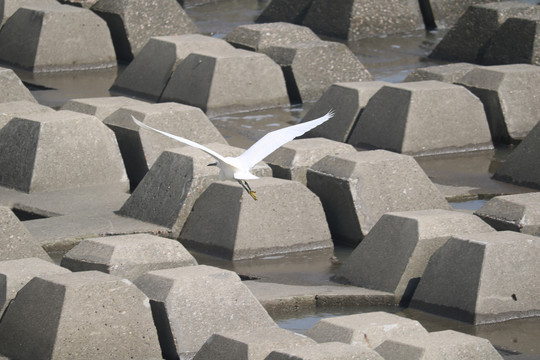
(246, 186)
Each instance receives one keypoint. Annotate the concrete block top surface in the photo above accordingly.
(12, 88)
(450, 73)
(325, 351)
(512, 77)
(11, 109)
(99, 107)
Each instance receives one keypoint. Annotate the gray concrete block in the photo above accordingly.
(85, 315)
(482, 278)
(509, 95)
(147, 75)
(468, 38)
(12, 88)
(448, 344)
(292, 160)
(520, 212)
(447, 12)
(358, 19)
(311, 67)
(259, 37)
(100, 107)
(16, 241)
(134, 22)
(12, 109)
(281, 226)
(423, 118)
(87, 4)
(348, 99)
(190, 304)
(8, 7)
(367, 329)
(14, 274)
(357, 189)
(283, 10)
(167, 193)
(56, 38)
(227, 81)
(140, 147)
(121, 255)
(449, 73)
(393, 256)
(330, 350)
(61, 149)
(250, 345)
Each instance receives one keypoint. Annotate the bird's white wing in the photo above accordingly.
(182, 140)
(273, 140)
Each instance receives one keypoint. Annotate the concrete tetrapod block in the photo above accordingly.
(226, 222)
(84, 315)
(468, 38)
(520, 212)
(357, 189)
(56, 38)
(134, 22)
(254, 344)
(190, 304)
(292, 160)
(393, 256)
(448, 344)
(227, 81)
(482, 278)
(127, 256)
(16, 242)
(141, 147)
(509, 94)
(422, 118)
(14, 274)
(358, 19)
(259, 37)
(12, 109)
(61, 149)
(348, 99)
(445, 13)
(368, 329)
(8, 7)
(449, 73)
(87, 4)
(325, 351)
(12, 88)
(284, 10)
(167, 193)
(147, 75)
(311, 67)
(100, 107)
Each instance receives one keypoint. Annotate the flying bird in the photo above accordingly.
(239, 168)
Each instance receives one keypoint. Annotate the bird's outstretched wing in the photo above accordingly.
(273, 140)
(182, 140)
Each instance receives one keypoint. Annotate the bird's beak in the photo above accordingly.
(212, 164)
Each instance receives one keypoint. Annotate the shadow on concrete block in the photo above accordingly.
(283, 10)
(449, 73)
(99, 107)
(13, 109)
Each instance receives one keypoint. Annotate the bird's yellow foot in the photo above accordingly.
(252, 193)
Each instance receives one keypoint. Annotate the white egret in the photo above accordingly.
(239, 168)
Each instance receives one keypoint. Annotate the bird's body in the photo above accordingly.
(239, 168)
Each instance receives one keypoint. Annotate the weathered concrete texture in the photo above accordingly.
(16, 242)
(446, 13)
(87, 4)
(12, 88)
(127, 256)
(348, 99)
(450, 73)
(62, 149)
(448, 344)
(259, 37)
(469, 37)
(284, 10)
(331, 350)
(519, 213)
(358, 19)
(167, 193)
(311, 67)
(250, 345)
(147, 75)
(423, 118)
(289, 217)
(85, 315)
(134, 22)
(140, 147)
(14, 274)
(12, 109)
(292, 160)
(190, 304)
(100, 107)
(393, 256)
(482, 278)
(8, 7)
(367, 329)
(226, 81)
(509, 94)
(56, 38)
(357, 189)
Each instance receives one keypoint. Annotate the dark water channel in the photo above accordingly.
(389, 58)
